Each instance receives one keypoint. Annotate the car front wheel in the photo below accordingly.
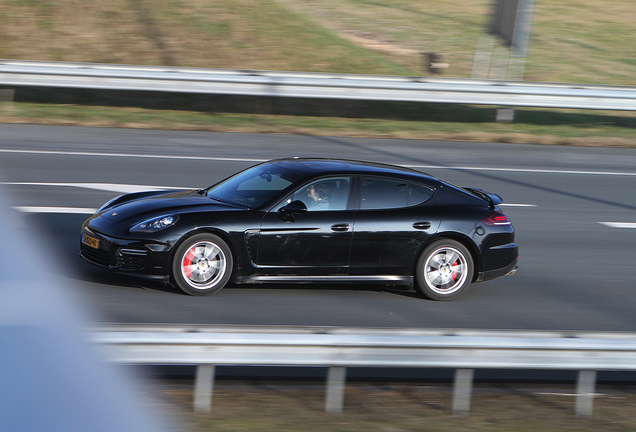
(444, 270)
(202, 264)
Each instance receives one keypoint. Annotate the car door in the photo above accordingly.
(314, 242)
(393, 219)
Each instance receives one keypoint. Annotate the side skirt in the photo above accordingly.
(383, 279)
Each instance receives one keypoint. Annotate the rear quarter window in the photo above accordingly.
(379, 193)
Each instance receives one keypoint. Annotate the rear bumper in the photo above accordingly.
(492, 274)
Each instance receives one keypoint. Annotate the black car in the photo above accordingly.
(308, 220)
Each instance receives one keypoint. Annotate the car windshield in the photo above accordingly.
(254, 186)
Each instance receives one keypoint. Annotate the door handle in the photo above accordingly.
(422, 225)
(340, 227)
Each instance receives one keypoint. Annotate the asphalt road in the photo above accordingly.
(574, 210)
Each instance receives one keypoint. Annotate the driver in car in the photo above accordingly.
(319, 194)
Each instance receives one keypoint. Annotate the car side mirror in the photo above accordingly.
(294, 207)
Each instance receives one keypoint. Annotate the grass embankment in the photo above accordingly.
(582, 41)
(398, 408)
(531, 126)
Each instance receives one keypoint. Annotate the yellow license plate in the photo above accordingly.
(90, 241)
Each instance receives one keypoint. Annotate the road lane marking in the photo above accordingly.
(130, 155)
(619, 224)
(516, 205)
(234, 159)
(526, 170)
(73, 210)
(109, 187)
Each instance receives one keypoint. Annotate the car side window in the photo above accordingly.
(324, 194)
(417, 195)
(379, 193)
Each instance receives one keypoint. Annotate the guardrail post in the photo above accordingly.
(334, 400)
(585, 389)
(7, 96)
(462, 392)
(203, 387)
(505, 115)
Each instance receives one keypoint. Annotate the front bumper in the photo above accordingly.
(145, 258)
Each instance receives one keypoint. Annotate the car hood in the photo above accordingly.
(164, 203)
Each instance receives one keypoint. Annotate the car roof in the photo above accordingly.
(319, 166)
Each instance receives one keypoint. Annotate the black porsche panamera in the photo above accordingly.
(308, 220)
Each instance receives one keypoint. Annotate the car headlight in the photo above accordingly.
(155, 224)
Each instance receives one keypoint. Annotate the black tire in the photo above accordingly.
(444, 270)
(202, 265)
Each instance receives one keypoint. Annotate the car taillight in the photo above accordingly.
(496, 218)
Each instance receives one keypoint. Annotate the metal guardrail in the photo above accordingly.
(15, 73)
(338, 349)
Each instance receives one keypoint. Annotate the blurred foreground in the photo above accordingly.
(50, 378)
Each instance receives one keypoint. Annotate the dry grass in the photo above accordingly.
(231, 34)
(396, 408)
(585, 41)
(403, 30)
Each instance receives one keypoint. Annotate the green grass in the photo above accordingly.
(410, 121)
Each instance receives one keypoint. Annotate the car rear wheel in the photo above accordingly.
(444, 270)
(202, 264)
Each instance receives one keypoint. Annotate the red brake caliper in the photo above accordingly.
(187, 263)
(454, 274)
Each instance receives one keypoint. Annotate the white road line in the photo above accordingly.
(517, 205)
(569, 394)
(74, 210)
(130, 155)
(528, 170)
(619, 224)
(228, 159)
(109, 187)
